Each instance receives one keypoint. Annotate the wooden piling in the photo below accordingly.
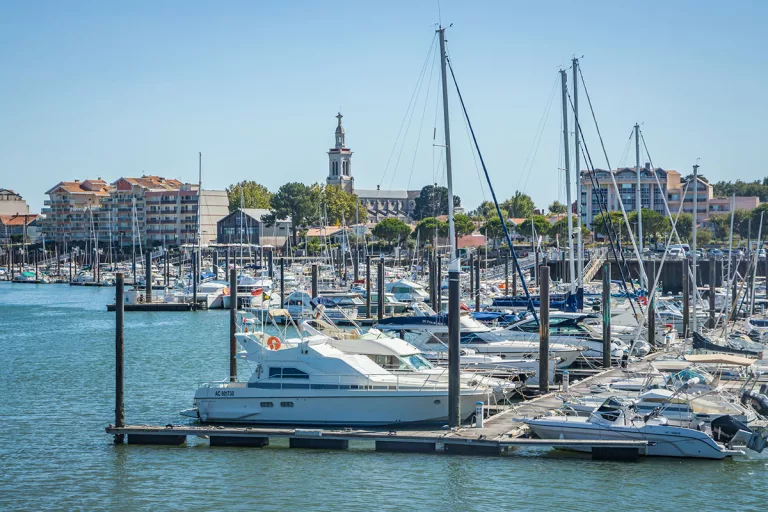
(652, 306)
(380, 290)
(271, 269)
(477, 284)
(686, 300)
(506, 274)
(471, 276)
(439, 283)
(232, 325)
(514, 281)
(148, 276)
(606, 299)
(314, 280)
(119, 355)
(368, 286)
(543, 373)
(194, 281)
(712, 272)
(282, 282)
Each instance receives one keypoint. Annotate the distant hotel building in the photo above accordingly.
(150, 210)
(651, 197)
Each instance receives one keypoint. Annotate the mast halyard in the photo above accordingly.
(639, 200)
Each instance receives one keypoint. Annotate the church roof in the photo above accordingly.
(381, 194)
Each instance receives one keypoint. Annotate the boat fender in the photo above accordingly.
(273, 343)
(763, 389)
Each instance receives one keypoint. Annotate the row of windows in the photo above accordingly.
(287, 373)
(282, 404)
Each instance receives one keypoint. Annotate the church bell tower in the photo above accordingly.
(340, 162)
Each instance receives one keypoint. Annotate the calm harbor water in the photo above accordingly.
(57, 395)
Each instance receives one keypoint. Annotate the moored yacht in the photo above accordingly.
(308, 381)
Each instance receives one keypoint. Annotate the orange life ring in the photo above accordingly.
(273, 343)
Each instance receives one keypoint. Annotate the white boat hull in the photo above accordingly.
(339, 407)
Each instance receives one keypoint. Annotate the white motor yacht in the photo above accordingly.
(308, 381)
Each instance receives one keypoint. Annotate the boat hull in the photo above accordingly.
(347, 408)
(662, 441)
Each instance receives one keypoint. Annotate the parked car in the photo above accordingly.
(715, 253)
(675, 253)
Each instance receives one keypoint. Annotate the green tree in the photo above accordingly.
(254, 195)
(339, 205)
(721, 224)
(615, 218)
(428, 228)
(487, 210)
(294, 200)
(561, 228)
(703, 237)
(684, 226)
(433, 201)
(519, 205)
(391, 230)
(493, 230)
(557, 208)
(540, 224)
(462, 224)
(654, 223)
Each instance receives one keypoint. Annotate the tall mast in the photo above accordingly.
(639, 196)
(693, 245)
(730, 259)
(577, 169)
(567, 155)
(454, 389)
(199, 211)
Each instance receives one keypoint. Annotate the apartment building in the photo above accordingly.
(150, 211)
(652, 197)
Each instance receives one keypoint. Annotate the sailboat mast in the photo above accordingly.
(454, 389)
(639, 195)
(577, 169)
(199, 213)
(693, 245)
(567, 156)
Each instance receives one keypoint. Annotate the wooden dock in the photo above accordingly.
(499, 433)
(157, 306)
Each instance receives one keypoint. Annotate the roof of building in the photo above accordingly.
(18, 220)
(254, 213)
(473, 240)
(327, 231)
(153, 182)
(517, 220)
(97, 187)
(381, 194)
(8, 191)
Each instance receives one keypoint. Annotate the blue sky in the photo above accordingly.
(111, 89)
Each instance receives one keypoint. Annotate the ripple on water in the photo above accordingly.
(57, 382)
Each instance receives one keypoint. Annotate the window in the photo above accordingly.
(267, 404)
(286, 404)
(287, 373)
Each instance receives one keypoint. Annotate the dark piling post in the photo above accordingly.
(439, 283)
(506, 274)
(232, 325)
(356, 266)
(226, 262)
(652, 306)
(454, 370)
(471, 276)
(70, 266)
(368, 286)
(686, 300)
(148, 276)
(216, 263)
(119, 355)
(36, 274)
(282, 282)
(314, 280)
(194, 283)
(712, 272)
(477, 284)
(536, 278)
(133, 268)
(514, 283)
(380, 290)
(606, 299)
(270, 264)
(544, 330)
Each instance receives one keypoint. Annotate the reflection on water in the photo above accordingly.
(57, 395)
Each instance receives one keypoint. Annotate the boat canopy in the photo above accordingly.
(720, 359)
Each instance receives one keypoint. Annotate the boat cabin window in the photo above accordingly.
(473, 339)
(287, 373)
(267, 404)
